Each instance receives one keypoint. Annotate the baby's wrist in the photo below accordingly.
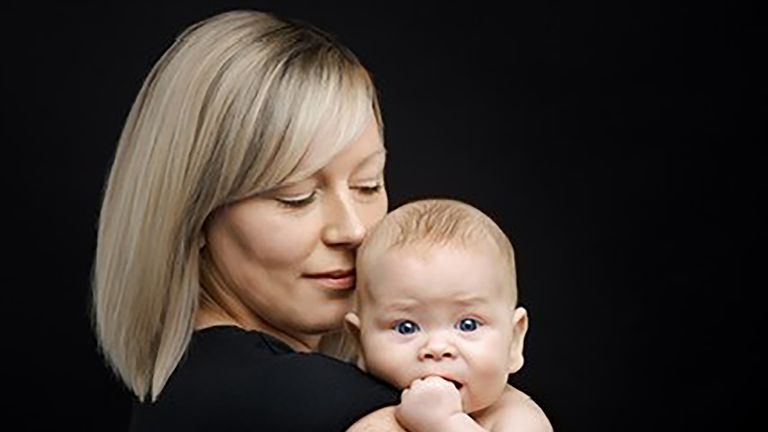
(460, 422)
(421, 421)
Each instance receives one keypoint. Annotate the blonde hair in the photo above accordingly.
(435, 223)
(231, 109)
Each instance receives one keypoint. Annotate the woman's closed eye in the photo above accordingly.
(369, 189)
(297, 201)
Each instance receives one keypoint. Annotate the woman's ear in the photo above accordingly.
(352, 325)
(519, 329)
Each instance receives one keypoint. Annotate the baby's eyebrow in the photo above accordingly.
(401, 306)
(472, 300)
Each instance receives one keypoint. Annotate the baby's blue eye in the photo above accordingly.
(468, 324)
(406, 327)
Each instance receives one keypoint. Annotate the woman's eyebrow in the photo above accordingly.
(382, 152)
(282, 186)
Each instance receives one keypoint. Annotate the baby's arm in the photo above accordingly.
(433, 404)
(381, 420)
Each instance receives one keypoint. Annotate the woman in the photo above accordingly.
(248, 171)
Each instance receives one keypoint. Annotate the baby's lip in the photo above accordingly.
(457, 384)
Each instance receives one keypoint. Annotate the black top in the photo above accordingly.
(237, 380)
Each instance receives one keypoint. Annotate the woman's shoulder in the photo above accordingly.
(232, 353)
(244, 376)
(233, 348)
(223, 340)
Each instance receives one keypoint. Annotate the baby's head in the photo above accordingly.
(437, 295)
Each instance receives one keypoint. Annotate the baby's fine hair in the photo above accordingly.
(436, 223)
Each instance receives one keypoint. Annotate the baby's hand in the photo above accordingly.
(428, 403)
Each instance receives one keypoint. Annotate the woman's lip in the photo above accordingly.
(335, 274)
(335, 280)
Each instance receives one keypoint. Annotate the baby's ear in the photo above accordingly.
(352, 325)
(519, 329)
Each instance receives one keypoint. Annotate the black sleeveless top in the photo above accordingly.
(237, 380)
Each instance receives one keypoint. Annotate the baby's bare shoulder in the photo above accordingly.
(516, 411)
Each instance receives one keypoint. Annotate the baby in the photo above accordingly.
(436, 314)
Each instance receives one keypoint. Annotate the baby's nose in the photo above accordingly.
(437, 348)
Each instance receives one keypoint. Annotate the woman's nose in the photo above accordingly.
(344, 225)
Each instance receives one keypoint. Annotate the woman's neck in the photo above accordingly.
(211, 314)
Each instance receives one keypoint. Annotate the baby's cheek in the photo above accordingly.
(385, 368)
(496, 373)
(384, 362)
(490, 380)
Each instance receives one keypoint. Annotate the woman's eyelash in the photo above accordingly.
(370, 189)
(297, 202)
(305, 200)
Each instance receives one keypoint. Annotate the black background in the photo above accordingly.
(621, 147)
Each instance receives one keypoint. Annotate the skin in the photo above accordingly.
(444, 312)
(441, 324)
(284, 260)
